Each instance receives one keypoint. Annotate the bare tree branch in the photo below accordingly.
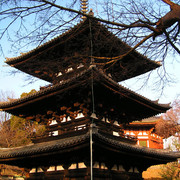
(172, 44)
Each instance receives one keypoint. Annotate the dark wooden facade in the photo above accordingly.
(83, 101)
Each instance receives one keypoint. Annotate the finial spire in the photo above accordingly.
(84, 7)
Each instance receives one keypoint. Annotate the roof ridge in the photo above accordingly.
(62, 83)
(8, 60)
(141, 96)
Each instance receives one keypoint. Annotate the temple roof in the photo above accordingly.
(144, 123)
(122, 103)
(73, 49)
(25, 154)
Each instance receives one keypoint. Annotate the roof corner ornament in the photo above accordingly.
(84, 7)
(93, 116)
(91, 12)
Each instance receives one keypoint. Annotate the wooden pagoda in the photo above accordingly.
(84, 109)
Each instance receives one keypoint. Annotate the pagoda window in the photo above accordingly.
(103, 166)
(81, 165)
(103, 119)
(39, 170)
(80, 66)
(132, 133)
(68, 118)
(73, 166)
(121, 168)
(96, 165)
(107, 120)
(116, 123)
(60, 168)
(53, 133)
(63, 118)
(59, 74)
(131, 170)
(53, 122)
(33, 170)
(115, 133)
(77, 128)
(115, 168)
(69, 69)
(140, 133)
(136, 170)
(51, 168)
(79, 115)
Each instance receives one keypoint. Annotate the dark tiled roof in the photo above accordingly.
(40, 148)
(42, 47)
(37, 60)
(133, 106)
(57, 145)
(44, 92)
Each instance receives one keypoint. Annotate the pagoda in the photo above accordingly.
(84, 108)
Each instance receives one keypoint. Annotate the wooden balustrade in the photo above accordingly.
(79, 126)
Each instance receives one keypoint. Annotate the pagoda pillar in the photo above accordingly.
(88, 170)
(66, 171)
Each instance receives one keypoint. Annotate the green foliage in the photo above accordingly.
(170, 171)
(29, 93)
(17, 131)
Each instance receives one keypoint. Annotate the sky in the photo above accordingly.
(17, 84)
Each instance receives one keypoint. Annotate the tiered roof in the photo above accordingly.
(36, 154)
(72, 50)
(111, 99)
(84, 84)
(145, 123)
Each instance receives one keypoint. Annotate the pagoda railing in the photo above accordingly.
(81, 126)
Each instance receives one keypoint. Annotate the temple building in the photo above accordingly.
(84, 108)
(145, 133)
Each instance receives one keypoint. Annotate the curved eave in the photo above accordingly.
(124, 92)
(53, 42)
(44, 92)
(67, 144)
(141, 124)
(135, 95)
(20, 61)
(158, 154)
(30, 54)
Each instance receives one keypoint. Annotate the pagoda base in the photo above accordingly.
(84, 174)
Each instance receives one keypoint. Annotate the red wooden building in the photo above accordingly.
(145, 133)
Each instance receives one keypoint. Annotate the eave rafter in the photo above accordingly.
(72, 48)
